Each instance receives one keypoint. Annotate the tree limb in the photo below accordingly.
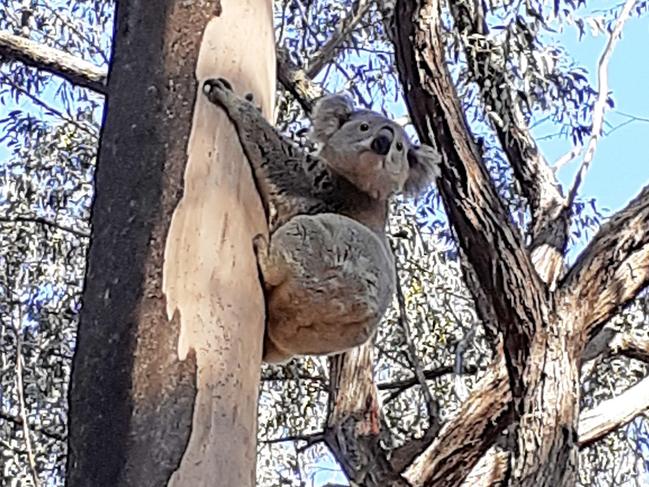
(75, 70)
(613, 268)
(602, 97)
(345, 28)
(486, 235)
(599, 421)
(537, 180)
(610, 342)
(353, 427)
(296, 81)
(463, 440)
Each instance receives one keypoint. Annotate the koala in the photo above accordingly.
(327, 267)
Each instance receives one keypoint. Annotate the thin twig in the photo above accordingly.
(600, 104)
(431, 403)
(23, 409)
(47, 223)
(567, 157)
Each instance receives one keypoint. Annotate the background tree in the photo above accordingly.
(434, 396)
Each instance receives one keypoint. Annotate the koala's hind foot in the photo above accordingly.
(333, 280)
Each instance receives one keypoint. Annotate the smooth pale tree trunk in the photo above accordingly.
(165, 376)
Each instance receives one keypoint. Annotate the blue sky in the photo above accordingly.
(621, 164)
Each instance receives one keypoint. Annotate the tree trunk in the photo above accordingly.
(151, 395)
(545, 454)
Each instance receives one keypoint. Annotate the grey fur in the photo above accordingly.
(328, 270)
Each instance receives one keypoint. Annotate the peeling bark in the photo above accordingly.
(152, 395)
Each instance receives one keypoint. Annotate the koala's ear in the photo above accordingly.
(328, 114)
(424, 163)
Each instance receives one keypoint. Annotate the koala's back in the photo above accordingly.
(333, 280)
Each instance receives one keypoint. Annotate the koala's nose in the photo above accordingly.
(382, 142)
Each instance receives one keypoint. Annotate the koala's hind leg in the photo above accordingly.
(337, 281)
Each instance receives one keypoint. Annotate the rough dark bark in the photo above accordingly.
(541, 347)
(131, 397)
(461, 443)
(613, 268)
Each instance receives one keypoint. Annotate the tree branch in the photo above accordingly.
(46, 223)
(602, 97)
(18, 421)
(609, 342)
(428, 375)
(353, 427)
(296, 81)
(463, 440)
(537, 180)
(613, 268)
(599, 421)
(343, 30)
(75, 70)
(493, 247)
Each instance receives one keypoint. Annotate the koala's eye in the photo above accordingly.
(364, 127)
(399, 146)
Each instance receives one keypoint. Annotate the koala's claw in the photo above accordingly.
(214, 87)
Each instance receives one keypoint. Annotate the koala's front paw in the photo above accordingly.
(217, 90)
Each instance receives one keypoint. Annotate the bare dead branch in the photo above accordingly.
(75, 70)
(566, 158)
(599, 421)
(614, 267)
(344, 29)
(600, 103)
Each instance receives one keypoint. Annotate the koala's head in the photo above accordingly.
(369, 150)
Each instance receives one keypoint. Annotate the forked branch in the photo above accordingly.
(494, 249)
